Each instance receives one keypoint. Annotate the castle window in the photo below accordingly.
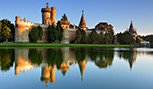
(26, 28)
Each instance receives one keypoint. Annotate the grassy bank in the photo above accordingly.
(59, 45)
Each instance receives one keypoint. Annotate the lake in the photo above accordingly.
(76, 68)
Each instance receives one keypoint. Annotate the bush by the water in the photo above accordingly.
(36, 34)
(94, 37)
(125, 38)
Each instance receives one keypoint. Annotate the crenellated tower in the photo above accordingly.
(48, 15)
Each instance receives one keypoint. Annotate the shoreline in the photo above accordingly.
(17, 45)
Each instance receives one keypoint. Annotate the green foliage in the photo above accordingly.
(148, 38)
(7, 31)
(40, 32)
(33, 35)
(36, 34)
(78, 36)
(55, 33)
(107, 38)
(83, 36)
(6, 59)
(125, 38)
(101, 38)
(93, 36)
(35, 57)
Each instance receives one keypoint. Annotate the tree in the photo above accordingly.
(51, 37)
(83, 36)
(111, 36)
(40, 32)
(101, 38)
(107, 38)
(78, 36)
(102, 26)
(36, 34)
(110, 29)
(33, 35)
(7, 30)
(125, 38)
(6, 33)
(60, 30)
(93, 36)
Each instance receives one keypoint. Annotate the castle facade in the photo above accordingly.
(23, 27)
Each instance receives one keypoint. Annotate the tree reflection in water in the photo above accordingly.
(50, 59)
(6, 59)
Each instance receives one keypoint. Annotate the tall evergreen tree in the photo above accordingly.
(51, 37)
(40, 32)
(78, 36)
(93, 36)
(60, 30)
(33, 35)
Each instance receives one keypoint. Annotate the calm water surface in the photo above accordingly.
(76, 68)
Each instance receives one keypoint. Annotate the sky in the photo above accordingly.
(119, 13)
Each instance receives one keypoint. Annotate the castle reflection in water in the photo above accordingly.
(61, 58)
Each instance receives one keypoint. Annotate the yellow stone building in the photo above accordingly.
(23, 27)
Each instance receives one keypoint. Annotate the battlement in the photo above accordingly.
(22, 23)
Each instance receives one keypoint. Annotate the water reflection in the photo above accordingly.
(61, 59)
(129, 55)
(6, 59)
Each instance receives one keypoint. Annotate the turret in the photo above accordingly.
(46, 15)
(17, 19)
(131, 29)
(53, 14)
(83, 24)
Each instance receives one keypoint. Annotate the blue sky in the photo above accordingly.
(119, 13)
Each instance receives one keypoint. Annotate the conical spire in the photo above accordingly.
(131, 29)
(83, 24)
(82, 66)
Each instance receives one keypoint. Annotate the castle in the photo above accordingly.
(23, 27)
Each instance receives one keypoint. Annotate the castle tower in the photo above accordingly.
(131, 29)
(53, 14)
(46, 15)
(83, 24)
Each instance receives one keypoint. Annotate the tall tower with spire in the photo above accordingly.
(132, 31)
(83, 24)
